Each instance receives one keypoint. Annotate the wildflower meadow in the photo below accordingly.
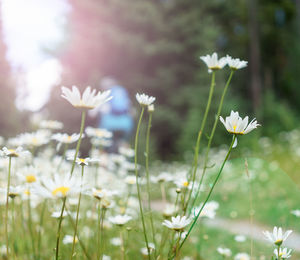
(60, 200)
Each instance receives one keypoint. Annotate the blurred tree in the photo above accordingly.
(10, 117)
(153, 47)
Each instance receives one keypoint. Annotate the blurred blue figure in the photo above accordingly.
(116, 114)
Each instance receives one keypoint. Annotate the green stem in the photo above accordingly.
(79, 140)
(122, 244)
(211, 136)
(196, 155)
(137, 180)
(30, 224)
(102, 233)
(148, 177)
(77, 215)
(210, 192)
(6, 208)
(278, 252)
(40, 228)
(98, 230)
(79, 240)
(59, 228)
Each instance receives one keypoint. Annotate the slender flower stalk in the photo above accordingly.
(30, 224)
(77, 215)
(137, 180)
(210, 192)
(6, 208)
(83, 115)
(148, 178)
(40, 229)
(59, 228)
(211, 136)
(196, 155)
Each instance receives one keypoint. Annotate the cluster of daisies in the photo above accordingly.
(108, 190)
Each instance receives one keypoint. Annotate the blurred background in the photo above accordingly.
(152, 47)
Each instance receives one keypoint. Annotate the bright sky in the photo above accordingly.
(30, 28)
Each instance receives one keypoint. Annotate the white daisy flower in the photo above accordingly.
(151, 108)
(98, 132)
(224, 251)
(120, 220)
(144, 250)
(177, 223)
(235, 64)
(51, 124)
(68, 239)
(59, 187)
(240, 238)
(277, 237)
(65, 138)
(83, 161)
(13, 152)
(212, 61)
(296, 212)
(242, 256)
(130, 179)
(208, 211)
(283, 253)
(89, 98)
(234, 124)
(14, 191)
(144, 100)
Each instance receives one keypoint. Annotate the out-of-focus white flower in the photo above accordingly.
(277, 237)
(130, 180)
(182, 183)
(126, 151)
(212, 61)
(69, 239)
(208, 211)
(59, 187)
(83, 161)
(144, 250)
(177, 223)
(14, 191)
(56, 214)
(98, 132)
(235, 64)
(116, 241)
(169, 210)
(65, 138)
(106, 257)
(13, 152)
(162, 177)
(51, 124)
(242, 256)
(224, 251)
(36, 139)
(28, 174)
(151, 108)
(120, 220)
(144, 100)
(240, 238)
(89, 98)
(283, 253)
(296, 212)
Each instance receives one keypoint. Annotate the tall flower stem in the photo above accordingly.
(98, 230)
(122, 247)
(59, 228)
(40, 228)
(211, 136)
(6, 207)
(77, 215)
(137, 180)
(278, 252)
(210, 192)
(196, 154)
(30, 224)
(148, 177)
(83, 115)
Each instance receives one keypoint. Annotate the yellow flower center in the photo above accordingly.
(27, 192)
(30, 178)
(186, 183)
(12, 153)
(34, 141)
(69, 138)
(62, 190)
(278, 242)
(82, 160)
